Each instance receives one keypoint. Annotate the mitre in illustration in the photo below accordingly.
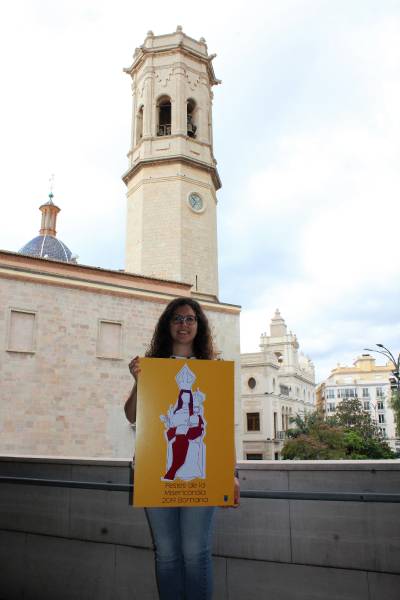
(185, 378)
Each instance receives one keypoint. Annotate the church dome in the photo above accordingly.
(46, 244)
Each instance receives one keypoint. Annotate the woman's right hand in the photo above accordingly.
(134, 368)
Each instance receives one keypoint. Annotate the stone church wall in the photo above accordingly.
(63, 365)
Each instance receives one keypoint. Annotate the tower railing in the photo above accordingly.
(164, 129)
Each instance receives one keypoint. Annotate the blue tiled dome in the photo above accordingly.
(48, 246)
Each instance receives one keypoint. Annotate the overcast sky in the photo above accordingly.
(307, 138)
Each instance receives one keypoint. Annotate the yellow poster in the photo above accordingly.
(184, 433)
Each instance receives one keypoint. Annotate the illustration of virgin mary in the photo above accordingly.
(185, 428)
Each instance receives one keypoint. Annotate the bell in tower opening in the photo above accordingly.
(172, 177)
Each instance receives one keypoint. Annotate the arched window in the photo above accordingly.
(191, 111)
(164, 116)
(139, 124)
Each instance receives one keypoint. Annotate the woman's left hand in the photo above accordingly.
(236, 493)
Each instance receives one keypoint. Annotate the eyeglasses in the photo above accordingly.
(188, 319)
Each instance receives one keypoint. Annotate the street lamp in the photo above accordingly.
(396, 364)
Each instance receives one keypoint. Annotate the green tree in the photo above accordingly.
(351, 415)
(395, 406)
(349, 434)
(362, 435)
(313, 438)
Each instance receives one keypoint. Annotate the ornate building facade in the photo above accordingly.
(368, 382)
(276, 384)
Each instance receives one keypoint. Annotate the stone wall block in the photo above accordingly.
(54, 569)
(135, 574)
(346, 534)
(108, 517)
(383, 586)
(368, 480)
(259, 529)
(249, 580)
(12, 561)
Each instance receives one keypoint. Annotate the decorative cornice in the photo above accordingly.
(145, 162)
(143, 53)
(14, 266)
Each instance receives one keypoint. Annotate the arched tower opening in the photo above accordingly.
(139, 124)
(191, 117)
(164, 116)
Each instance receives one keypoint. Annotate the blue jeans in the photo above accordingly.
(183, 544)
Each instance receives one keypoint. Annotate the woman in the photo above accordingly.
(182, 536)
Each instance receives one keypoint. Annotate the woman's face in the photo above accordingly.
(183, 327)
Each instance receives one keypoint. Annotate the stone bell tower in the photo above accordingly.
(172, 177)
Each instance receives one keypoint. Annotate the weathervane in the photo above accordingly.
(51, 182)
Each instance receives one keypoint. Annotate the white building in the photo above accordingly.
(368, 382)
(276, 384)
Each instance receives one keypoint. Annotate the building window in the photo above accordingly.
(330, 393)
(284, 390)
(164, 116)
(253, 421)
(365, 393)
(109, 339)
(382, 431)
(379, 392)
(251, 383)
(381, 418)
(275, 425)
(366, 405)
(347, 393)
(21, 331)
(254, 456)
(379, 405)
(331, 407)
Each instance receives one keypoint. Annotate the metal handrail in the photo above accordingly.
(276, 495)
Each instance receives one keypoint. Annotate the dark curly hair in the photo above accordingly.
(161, 343)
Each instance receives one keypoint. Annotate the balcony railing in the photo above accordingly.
(287, 543)
(164, 130)
(276, 494)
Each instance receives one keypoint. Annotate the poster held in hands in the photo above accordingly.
(184, 433)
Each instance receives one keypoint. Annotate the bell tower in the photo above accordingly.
(172, 177)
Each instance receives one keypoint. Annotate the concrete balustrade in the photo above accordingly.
(84, 544)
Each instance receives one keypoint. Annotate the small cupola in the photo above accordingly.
(46, 244)
(49, 217)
